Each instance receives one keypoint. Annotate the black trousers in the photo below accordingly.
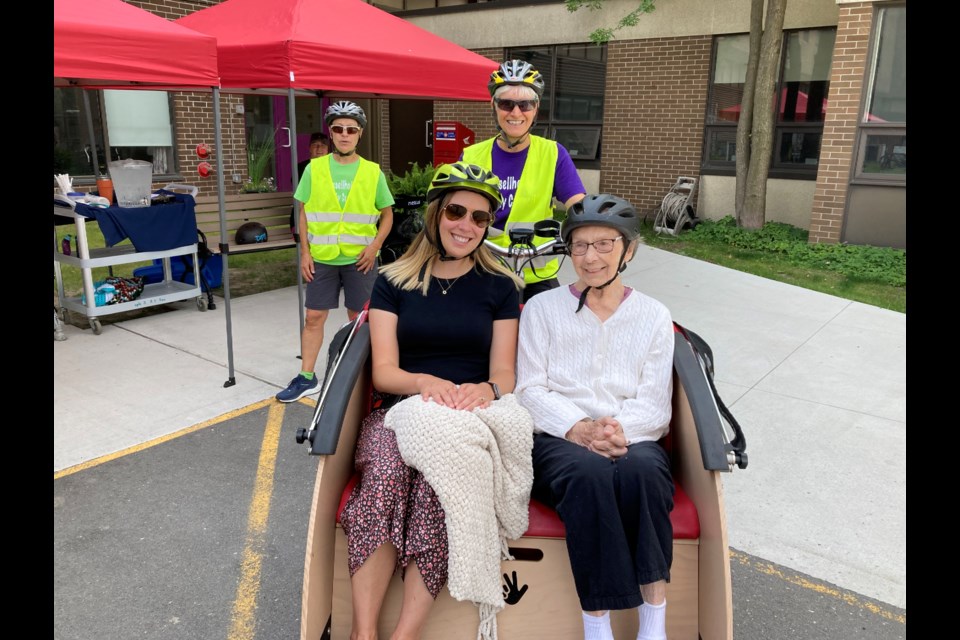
(616, 513)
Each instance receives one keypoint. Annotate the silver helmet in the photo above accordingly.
(345, 109)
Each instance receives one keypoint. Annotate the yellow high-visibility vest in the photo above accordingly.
(531, 202)
(333, 230)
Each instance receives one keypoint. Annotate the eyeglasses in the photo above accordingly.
(341, 129)
(508, 105)
(454, 212)
(602, 246)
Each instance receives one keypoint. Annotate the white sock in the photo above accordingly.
(653, 621)
(597, 627)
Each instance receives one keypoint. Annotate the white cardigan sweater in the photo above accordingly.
(572, 366)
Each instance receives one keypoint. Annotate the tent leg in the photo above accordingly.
(221, 196)
(294, 178)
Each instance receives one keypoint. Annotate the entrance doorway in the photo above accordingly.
(309, 114)
(411, 134)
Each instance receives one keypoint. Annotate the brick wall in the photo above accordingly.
(194, 125)
(653, 116)
(173, 9)
(840, 128)
(383, 109)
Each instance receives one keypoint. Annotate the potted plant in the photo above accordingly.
(259, 155)
(410, 190)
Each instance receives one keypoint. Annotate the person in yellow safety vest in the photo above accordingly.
(346, 211)
(532, 170)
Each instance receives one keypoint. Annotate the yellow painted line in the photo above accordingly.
(243, 620)
(152, 443)
(848, 598)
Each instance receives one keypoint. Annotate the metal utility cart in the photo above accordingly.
(169, 290)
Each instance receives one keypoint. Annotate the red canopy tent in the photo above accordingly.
(339, 47)
(112, 43)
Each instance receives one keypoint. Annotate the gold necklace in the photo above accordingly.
(440, 281)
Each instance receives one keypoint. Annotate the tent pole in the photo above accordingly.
(224, 246)
(295, 178)
(93, 138)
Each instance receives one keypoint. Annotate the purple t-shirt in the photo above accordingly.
(509, 166)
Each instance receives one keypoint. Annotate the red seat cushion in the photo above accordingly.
(545, 523)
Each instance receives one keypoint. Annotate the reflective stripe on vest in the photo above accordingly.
(531, 202)
(333, 230)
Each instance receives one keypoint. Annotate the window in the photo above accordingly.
(882, 137)
(131, 124)
(571, 110)
(801, 102)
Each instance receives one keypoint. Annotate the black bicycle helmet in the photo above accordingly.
(461, 175)
(516, 72)
(345, 109)
(606, 210)
(251, 233)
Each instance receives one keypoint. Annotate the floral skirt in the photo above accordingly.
(393, 503)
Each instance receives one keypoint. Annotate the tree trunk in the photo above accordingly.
(745, 124)
(753, 214)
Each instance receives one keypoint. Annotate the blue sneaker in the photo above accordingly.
(298, 388)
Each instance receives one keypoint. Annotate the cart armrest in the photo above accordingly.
(341, 385)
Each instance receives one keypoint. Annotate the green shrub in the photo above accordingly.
(879, 264)
(415, 182)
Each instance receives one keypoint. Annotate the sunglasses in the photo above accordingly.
(341, 129)
(508, 105)
(454, 212)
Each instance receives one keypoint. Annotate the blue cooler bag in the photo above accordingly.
(182, 270)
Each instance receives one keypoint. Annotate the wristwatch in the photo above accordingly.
(496, 389)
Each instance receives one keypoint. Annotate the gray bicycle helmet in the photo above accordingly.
(345, 109)
(518, 72)
(606, 210)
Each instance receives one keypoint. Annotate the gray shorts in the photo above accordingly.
(324, 292)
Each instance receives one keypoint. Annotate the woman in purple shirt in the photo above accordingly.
(532, 170)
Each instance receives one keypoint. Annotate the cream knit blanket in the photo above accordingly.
(480, 466)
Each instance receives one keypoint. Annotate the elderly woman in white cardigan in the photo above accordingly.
(594, 369)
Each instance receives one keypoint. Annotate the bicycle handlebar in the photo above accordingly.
(517, 255)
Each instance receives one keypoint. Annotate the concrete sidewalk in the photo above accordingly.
(818, 384)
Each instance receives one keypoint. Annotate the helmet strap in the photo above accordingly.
(344, 154)
(506, 138)
(445, 258)
(620, 269)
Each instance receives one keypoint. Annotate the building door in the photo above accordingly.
(411, 134)
(309, 114)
